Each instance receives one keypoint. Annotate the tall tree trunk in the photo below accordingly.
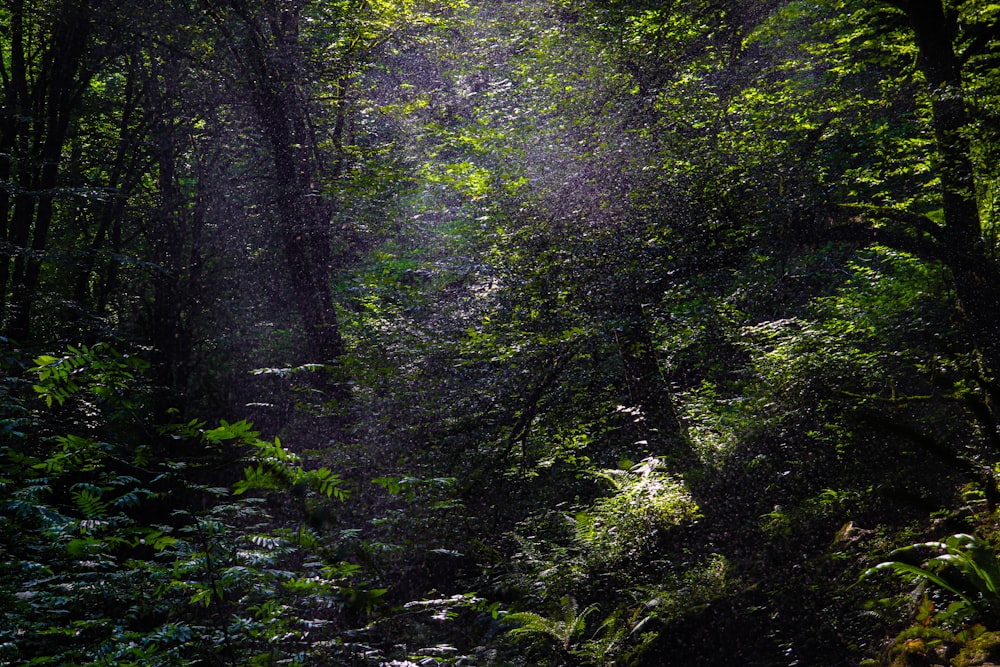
(123, 176)
(15, 126)
(977, 279)
(272, 54)
(169, 243)
(648, 399)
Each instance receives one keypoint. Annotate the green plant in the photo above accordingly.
(562, 631)
(620, 639)
(102, 372)
(646, 501)
(130, 543)
(966, 566)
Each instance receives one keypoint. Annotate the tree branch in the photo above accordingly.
(901, 230)
(976, 46)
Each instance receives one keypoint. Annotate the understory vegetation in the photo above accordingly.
(396, 333)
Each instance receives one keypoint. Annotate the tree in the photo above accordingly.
(265, 40)
(960, 235)
(48, 61)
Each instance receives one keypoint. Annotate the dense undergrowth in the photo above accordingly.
(499, 333)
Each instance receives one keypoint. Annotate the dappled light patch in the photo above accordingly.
(645, 502)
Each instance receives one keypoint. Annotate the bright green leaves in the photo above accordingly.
(272, 466)
(88, 500)
(645, 502)
(465, 177)
(565, 629)
(269, 476)
(108, 373)
(966, 566)
(620, 638)
(839, 81)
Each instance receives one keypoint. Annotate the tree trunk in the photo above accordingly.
(977, 280)
(272, 55)
(170, 244)
(54, 96)
(123, 176)
(646, 394)
(15, 126)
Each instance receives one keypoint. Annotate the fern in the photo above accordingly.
(967, 567)
(88, 501)
(562, 630)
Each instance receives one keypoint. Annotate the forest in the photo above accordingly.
(500, 333)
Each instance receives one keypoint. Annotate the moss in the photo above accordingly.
(921, 645)
(984, 648)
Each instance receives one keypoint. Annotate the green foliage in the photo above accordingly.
(622, 639)
(564, 630)
(645, 503)
(619, 640)
(122, 554)
(924, 642)
(99, 370)
(966, 566)
(538, 242)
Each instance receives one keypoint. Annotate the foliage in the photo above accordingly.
(619, 640)
(967, 567)
(117, 553)
(564, 631)
(627, 525)
(485, 257)
(110, 376)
